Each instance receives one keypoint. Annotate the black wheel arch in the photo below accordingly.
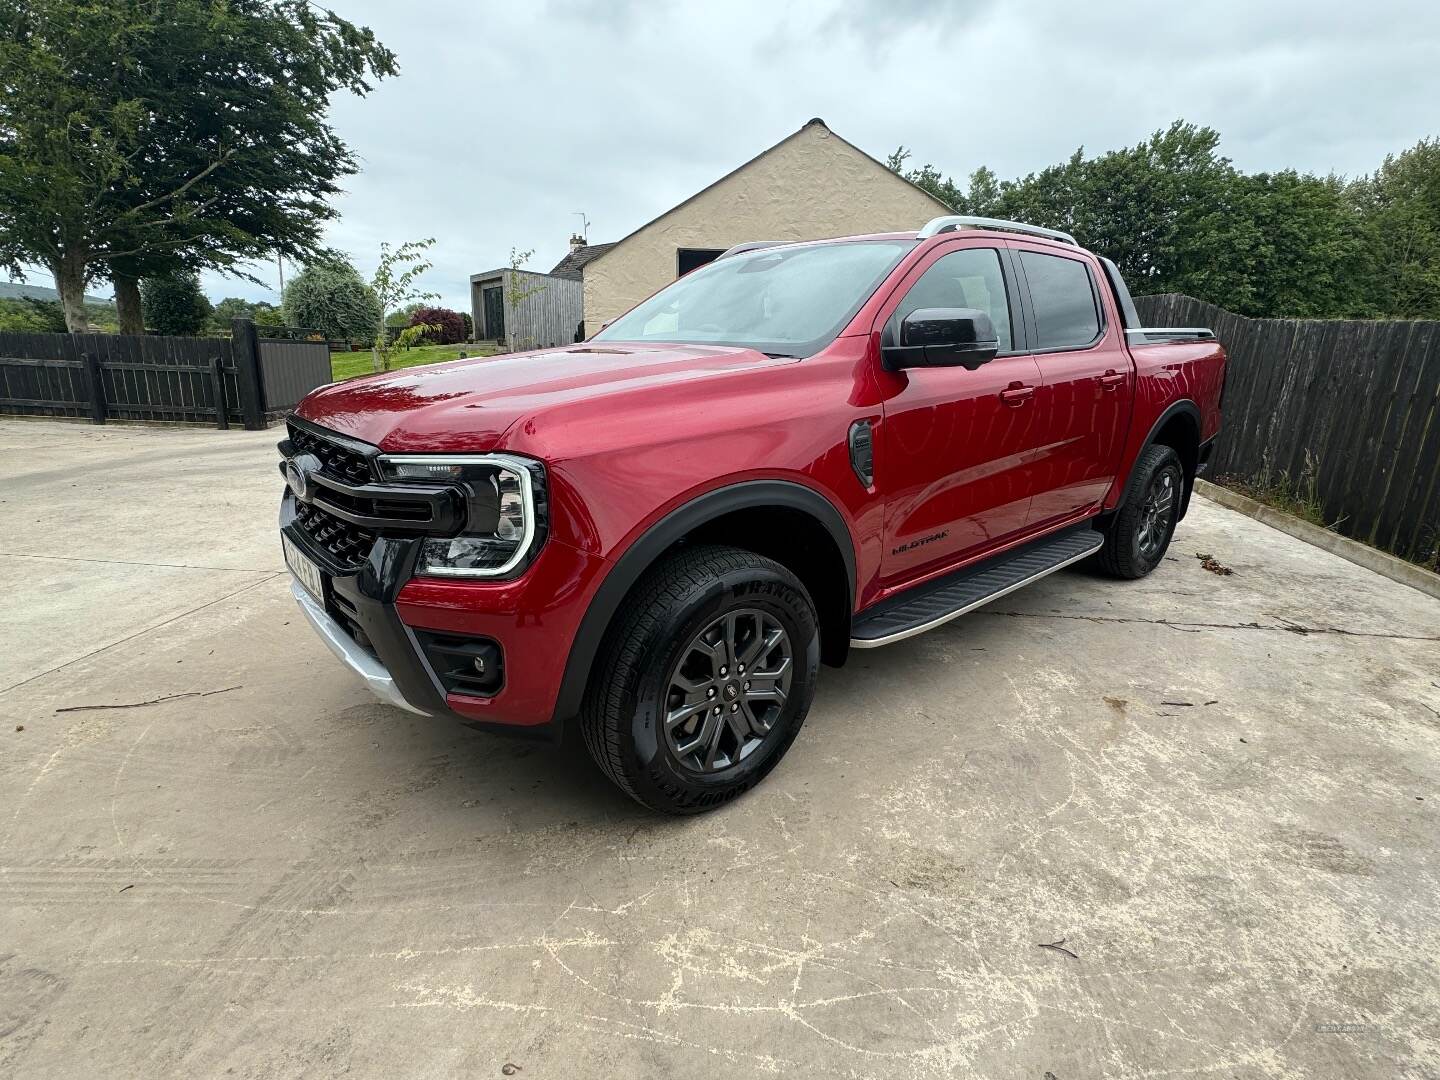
(685, 521)
(1178, 427)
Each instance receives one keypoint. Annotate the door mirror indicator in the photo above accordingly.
(943, 337)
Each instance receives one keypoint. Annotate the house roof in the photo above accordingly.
(601, 249)
(571, 265)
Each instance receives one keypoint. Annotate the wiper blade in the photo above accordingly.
(782, 356)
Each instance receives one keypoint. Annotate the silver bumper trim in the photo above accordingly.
(375, 674)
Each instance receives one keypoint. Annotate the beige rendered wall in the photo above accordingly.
(811, 185)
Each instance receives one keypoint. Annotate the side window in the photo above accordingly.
(969, 278)
(1064, 301)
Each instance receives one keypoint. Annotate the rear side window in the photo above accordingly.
(1064, 301)
(969, 278)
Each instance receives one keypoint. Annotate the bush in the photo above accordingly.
(446, 326)
(174, 305)
(333, 298)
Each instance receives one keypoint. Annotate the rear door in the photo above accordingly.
(954, 451)
(1087, 381)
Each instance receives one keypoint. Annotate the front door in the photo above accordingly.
(1083, 404)
(954, 456)
(492, 302)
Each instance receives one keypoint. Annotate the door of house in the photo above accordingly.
(492, 301)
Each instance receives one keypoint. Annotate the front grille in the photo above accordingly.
(339, 461)
(347, 544)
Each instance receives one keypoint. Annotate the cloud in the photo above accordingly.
(507, 118)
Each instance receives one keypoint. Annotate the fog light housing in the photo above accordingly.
(473, 666)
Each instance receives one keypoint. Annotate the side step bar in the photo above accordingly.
(949, 597)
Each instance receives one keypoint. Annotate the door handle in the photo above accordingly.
(1016, 394)
(1112, 379)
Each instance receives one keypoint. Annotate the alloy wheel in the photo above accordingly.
(727, 689)
(1156, 513)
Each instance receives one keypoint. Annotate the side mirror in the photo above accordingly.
(943, 337)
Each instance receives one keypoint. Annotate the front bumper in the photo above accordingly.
(369, 618)
(376, 676)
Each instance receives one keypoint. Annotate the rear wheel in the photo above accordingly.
(703, 684)
(1139, 533)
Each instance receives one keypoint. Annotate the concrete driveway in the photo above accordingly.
(1216, 796)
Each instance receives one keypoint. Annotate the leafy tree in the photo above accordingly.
(1399, 205)
(29, 314)
(401, 317)
(1176, 216)
(267, 315)
(153, 137)
(387, 350)
(234, 307)
(394, 285)
(332, 297)
(443, 325)
(174, 305)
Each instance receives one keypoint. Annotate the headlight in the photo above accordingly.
(505, 518)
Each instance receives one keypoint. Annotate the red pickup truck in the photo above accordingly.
(792, 452)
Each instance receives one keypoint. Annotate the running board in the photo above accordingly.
(949, 597)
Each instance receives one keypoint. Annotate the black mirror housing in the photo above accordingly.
(943, 337)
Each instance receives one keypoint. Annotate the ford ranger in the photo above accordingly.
(795, 451)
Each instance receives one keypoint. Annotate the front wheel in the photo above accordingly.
(1140, 532)
(703, 684)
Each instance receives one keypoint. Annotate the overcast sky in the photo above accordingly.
(507, 118)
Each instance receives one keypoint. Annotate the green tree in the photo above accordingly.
(174, 305)
(150, 137)
(1399, 207)
(330, 296)
(1176, 216)
(401, 316)
(31, 315)
(234, 307)
(394, 286)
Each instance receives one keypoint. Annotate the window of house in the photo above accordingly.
(969, 278)
(1064, 300)
(687, 259)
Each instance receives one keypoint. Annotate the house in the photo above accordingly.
(520, 309)
(810, 185)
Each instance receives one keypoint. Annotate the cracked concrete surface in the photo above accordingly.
(1219, 792)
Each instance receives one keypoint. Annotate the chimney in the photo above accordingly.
(576, 242)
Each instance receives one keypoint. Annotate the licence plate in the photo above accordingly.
(305, 571)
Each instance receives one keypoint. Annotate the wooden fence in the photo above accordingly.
(240, 379)
(1352, 406)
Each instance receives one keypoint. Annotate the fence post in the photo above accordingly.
(245, 346)
(97, 388)
(217, 390)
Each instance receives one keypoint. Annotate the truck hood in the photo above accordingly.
(470, 404)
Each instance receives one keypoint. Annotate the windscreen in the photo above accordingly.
(789, 301)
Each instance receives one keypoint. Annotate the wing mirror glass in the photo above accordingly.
(943, 337)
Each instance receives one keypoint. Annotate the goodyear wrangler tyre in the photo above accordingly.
(705, 679)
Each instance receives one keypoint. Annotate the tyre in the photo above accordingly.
(1140, 531)
(702, 684)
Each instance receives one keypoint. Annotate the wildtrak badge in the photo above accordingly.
(921, 542)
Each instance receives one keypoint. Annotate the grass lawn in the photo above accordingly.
(348, 365)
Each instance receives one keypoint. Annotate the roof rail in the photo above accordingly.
(960, 221)
(753, 245)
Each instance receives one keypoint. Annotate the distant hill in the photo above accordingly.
(9, 290)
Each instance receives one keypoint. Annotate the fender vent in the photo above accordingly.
(862, 452)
